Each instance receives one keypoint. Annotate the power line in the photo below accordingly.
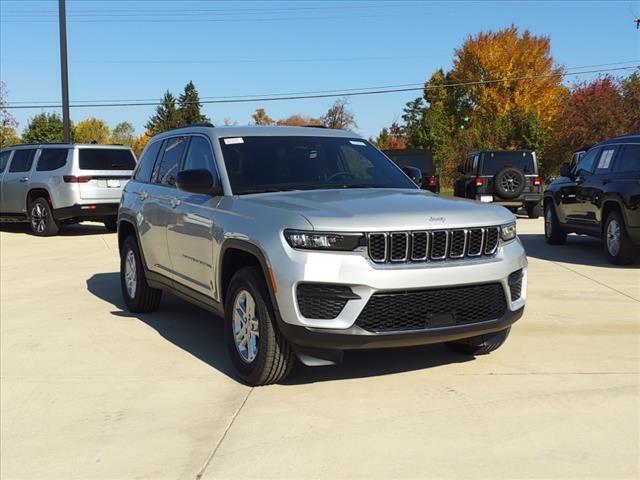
(344, 93)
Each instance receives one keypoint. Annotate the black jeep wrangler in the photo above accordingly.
(599, 196)
(420, 159)
(505, 177)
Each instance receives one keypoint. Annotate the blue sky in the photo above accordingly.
(271, 47)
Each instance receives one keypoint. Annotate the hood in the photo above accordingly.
(375, 209)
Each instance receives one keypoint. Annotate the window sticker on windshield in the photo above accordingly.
(605, 160)
(233, 141)
(357, 142)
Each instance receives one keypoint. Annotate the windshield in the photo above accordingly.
(493, 162)
(268, 164)
(106, 159)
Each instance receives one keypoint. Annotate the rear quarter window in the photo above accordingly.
(106, 159)
(147, 161)
(52, 159)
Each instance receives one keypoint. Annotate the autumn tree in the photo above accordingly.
(43, 128)
(339, 116)
(8, 124)
(124, 134)
(260, 117)
(390, 138)
(298, 120)
(92, 130)
(189, 106)
(167, 115)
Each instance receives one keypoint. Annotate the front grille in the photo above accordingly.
(322, 301)
(432, 308)
(430, 245)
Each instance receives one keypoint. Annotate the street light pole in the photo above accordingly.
(66, 123)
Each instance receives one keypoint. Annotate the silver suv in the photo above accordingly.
(50, 185)
(310, 242)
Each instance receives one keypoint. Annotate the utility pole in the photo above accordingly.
(64, 73)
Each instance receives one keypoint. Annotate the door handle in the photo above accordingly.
(144, 196)
(24, 179)
(174, 202)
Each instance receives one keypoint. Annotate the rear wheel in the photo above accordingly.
(41, 219)
(138, 296)
(618, 246)
(111, 224)
(259, 352)
(534, 210)
(513, 210)
(480, 345)
(553, 233)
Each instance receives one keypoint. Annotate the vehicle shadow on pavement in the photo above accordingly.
(201, 334)
(579, 250)
(75, 230)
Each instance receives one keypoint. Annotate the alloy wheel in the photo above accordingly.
(245, 326)
(39, 218)
(130, 274)
(613, 237)
(510, 182)
(548, 222)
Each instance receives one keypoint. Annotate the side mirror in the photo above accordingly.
(565, 170)
(414, 174)
(198, 181)
(460, 169)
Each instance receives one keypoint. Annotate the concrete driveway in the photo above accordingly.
(90, 391)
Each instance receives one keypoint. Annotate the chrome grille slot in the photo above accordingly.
(475, 242)
(419, 246)
(491, 241)
(378, 247)
(399, 248)
(439, 244)
(458, 243)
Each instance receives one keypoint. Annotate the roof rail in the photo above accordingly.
(36, 144)
(315, 126)
(205, 124)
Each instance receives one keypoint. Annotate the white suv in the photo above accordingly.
(310, 242)
(50, 185)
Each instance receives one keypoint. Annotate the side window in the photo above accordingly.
(22, 160)
(199, 155)
(629, 159)
(167, 169)
(586, 163)
(52, 159)
(4, 159)
(474, 166)
(604, 162)
(147, 162)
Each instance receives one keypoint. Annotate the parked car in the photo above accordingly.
(49, 185)
(504, 177)
(599, 196)
(309, 242)
(420, 159)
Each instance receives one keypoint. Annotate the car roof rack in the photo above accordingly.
(205, 124)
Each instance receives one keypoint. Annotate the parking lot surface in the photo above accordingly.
(91, 391)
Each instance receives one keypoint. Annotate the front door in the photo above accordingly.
(15, 182)
(192, 231)
(571, 194)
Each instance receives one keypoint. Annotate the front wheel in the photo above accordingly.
(617, 244)
(480, 345)
(553, 233)
(258, 350)
(41, 219)
(138, 296)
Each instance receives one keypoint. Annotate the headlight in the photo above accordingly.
(508, 232)
(322, 240)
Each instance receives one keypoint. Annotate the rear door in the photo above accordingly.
(15, 181)
(104, 172)
(156, 211)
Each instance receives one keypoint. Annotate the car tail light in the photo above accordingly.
(75, 179)
(537, 181)
(432, 181)
(88, 207)
(479, 181)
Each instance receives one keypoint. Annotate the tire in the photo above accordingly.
(534, 210)
(618, 246)
(111, 225)
(480, 345)
(509, 182)
(263, 359)
(41, 219)
(553, 233)
(138, 296)
(513, 210)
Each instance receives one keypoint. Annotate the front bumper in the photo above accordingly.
(89, 211)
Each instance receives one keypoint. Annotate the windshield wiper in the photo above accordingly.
(266, 190)
(363, 185)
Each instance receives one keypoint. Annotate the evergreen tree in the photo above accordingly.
(189, 106)
(44, 127)
(167, 115)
